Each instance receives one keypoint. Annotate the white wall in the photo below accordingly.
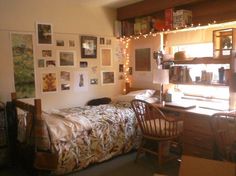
(144, 79)
(68, 17)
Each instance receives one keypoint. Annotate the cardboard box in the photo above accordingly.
(137, 28)
(145, 25)
(169, 18)
(194, 166)
(182, 18)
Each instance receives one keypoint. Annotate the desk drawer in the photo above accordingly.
(197, 151)
(198, 139)
(197, 124)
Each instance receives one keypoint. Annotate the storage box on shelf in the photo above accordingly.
(182, 18)
(127, 28)
(161, 21)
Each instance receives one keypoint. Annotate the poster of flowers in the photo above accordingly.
(23, 61)
(49, 82)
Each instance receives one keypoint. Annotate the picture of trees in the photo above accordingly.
(22, 50)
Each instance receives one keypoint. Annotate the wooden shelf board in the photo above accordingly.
(223, 49)
(204, 60)
(201, 84)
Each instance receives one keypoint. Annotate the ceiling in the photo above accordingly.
(108, 3)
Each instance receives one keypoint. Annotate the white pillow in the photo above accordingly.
(152, 100)
(142, 94)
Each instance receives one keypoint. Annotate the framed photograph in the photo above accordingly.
(60, 43)
(121, 77)
(66, 58)
(121, 67)
(143, 59)
(88, 47)
(108, 41)
(65, 76)
(46, 53)
(41, 63)
(49, 82)
(108, 77)
(102, 41)
(71, 43)
(65, 86)
(106, 57)
(94, 81)
(83, 64)
(44, 33)
(94, 69)
(130, 70)
(50, 63)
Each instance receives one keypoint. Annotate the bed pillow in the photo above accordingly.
(152, 100)
(139, 94)
(99, 101)
(142, 94)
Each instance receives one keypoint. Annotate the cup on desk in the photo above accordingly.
(168, 97)
(209, 76)
(197, 79)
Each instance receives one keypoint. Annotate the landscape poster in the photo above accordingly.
(22, 51)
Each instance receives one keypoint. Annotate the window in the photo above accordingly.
(195, 50)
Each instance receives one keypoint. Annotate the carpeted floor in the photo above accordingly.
(119, 166)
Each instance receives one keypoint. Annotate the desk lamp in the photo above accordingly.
(161, 76)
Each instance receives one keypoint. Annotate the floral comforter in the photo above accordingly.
(91, 134)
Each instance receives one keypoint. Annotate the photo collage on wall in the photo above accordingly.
(61, 66)
(106, 61)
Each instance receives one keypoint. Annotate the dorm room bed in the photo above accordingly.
(70, 139)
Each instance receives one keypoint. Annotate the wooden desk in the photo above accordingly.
(197, 135)
(193, 166)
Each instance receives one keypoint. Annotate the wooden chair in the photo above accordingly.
(224, 129)
(155, 126)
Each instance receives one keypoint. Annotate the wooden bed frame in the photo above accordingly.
(42, 160)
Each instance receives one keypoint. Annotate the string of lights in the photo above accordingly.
(186, 28)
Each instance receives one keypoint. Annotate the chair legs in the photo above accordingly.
(160, 152)
(140, 149)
